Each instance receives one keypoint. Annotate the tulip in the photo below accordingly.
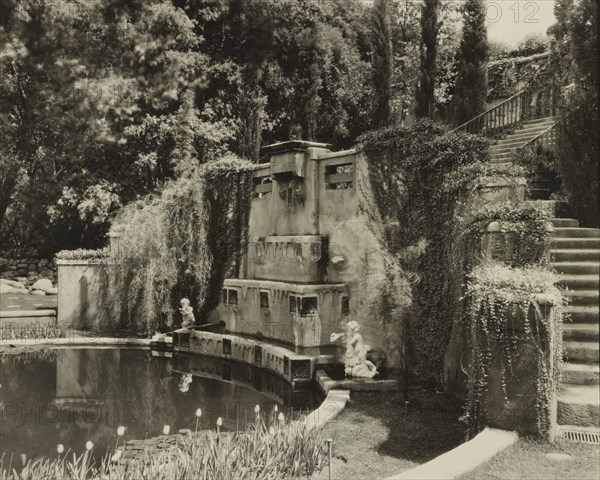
(116, 456)
(219, 422)
(275, 408)
(60, 448)
(121, 431)
(257, 409)
(280, 417)
(89, 445)
(271, 431)
(166, 429)
(198, 415)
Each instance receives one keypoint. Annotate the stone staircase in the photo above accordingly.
(576, 257)
(503, 151)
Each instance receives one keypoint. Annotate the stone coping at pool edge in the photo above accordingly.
(334, 403)
(462, 459)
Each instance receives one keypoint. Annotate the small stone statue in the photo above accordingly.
(355, 359)
(184, 382)
(187, 313)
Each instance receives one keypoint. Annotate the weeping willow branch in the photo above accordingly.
(181, 243)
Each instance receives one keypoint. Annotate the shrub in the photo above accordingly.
(577, 152)
(82, 254)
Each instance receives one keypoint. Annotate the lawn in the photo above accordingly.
(528, 459)
(19, 301)
(373, 438)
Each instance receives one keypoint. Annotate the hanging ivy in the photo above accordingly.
(181, 243)
(501, 300)
(408, 172)
(527, 221)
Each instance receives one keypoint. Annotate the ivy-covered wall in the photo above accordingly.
(419, 177)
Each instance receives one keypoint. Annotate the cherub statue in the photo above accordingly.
(187, 313)
(184, 382)
(355, 358)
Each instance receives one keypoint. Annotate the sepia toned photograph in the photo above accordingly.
(299, 240)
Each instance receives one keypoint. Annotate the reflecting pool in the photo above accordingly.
(71, 396)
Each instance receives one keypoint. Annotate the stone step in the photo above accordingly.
(578, 243)
(510, 143)
(502, 159)
(524, 134)
(537, 121)
(504, 149)
(582, 313)
(562, 232)
(575, 255)
(580, 374)
(581, 352)
(581, 297)
(565, 222)
(579, 405)
(587, 332)
(577, 267)
(578, 282)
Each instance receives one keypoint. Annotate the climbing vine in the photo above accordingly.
(179, 244)
(408, 169)
(506, 307)
(528, 223)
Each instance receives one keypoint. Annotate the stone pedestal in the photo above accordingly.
(518, 410)
(79, 283)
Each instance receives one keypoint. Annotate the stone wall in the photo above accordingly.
(28, 270)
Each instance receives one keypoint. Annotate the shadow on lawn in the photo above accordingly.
(428, 428)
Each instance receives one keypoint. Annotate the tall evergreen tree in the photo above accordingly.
(381, 58)
(430, 28)
(471, 84)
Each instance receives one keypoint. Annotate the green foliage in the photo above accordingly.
(104, 101)
(577, 155)
(505, 306)
(425, 104)
(273, 449)
(82, 254)
(27, 330)
(527, 221)
(181, 244)
(381, 58)
(470, 91)
(408, 168)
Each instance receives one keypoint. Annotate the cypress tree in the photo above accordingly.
(430, 28)
(471, 83)
(381, 38)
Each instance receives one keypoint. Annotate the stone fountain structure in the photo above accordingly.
(306, 268)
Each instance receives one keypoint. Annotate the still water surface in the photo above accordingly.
(70, 396)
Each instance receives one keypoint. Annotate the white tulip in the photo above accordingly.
(280, 417)
(219, 422)
(60, 448)
(89, 445)
(199, 412)
(256, 409)
(121, 431)
(116, 456)
(166, 429)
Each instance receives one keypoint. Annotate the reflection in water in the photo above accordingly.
(72, 396)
